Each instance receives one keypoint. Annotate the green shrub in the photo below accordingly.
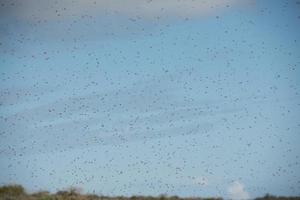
(12, 190)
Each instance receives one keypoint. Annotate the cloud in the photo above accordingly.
(237, 191)
(98, 19)
(203, 181)
(50, 9)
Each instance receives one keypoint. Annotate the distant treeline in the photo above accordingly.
(17, 192)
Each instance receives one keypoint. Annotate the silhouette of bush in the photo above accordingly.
(14, 190)
(271, 197)
(17, 192)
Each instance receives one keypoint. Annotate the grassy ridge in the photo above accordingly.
(17, 192)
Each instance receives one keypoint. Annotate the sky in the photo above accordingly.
(149, 97)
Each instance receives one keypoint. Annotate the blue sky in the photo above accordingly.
(189, 98)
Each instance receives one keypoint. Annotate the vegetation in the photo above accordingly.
(17, 192)
(271, 197)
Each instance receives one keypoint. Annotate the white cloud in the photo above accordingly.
(203, 181)
(48, 9)
(237, 191)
